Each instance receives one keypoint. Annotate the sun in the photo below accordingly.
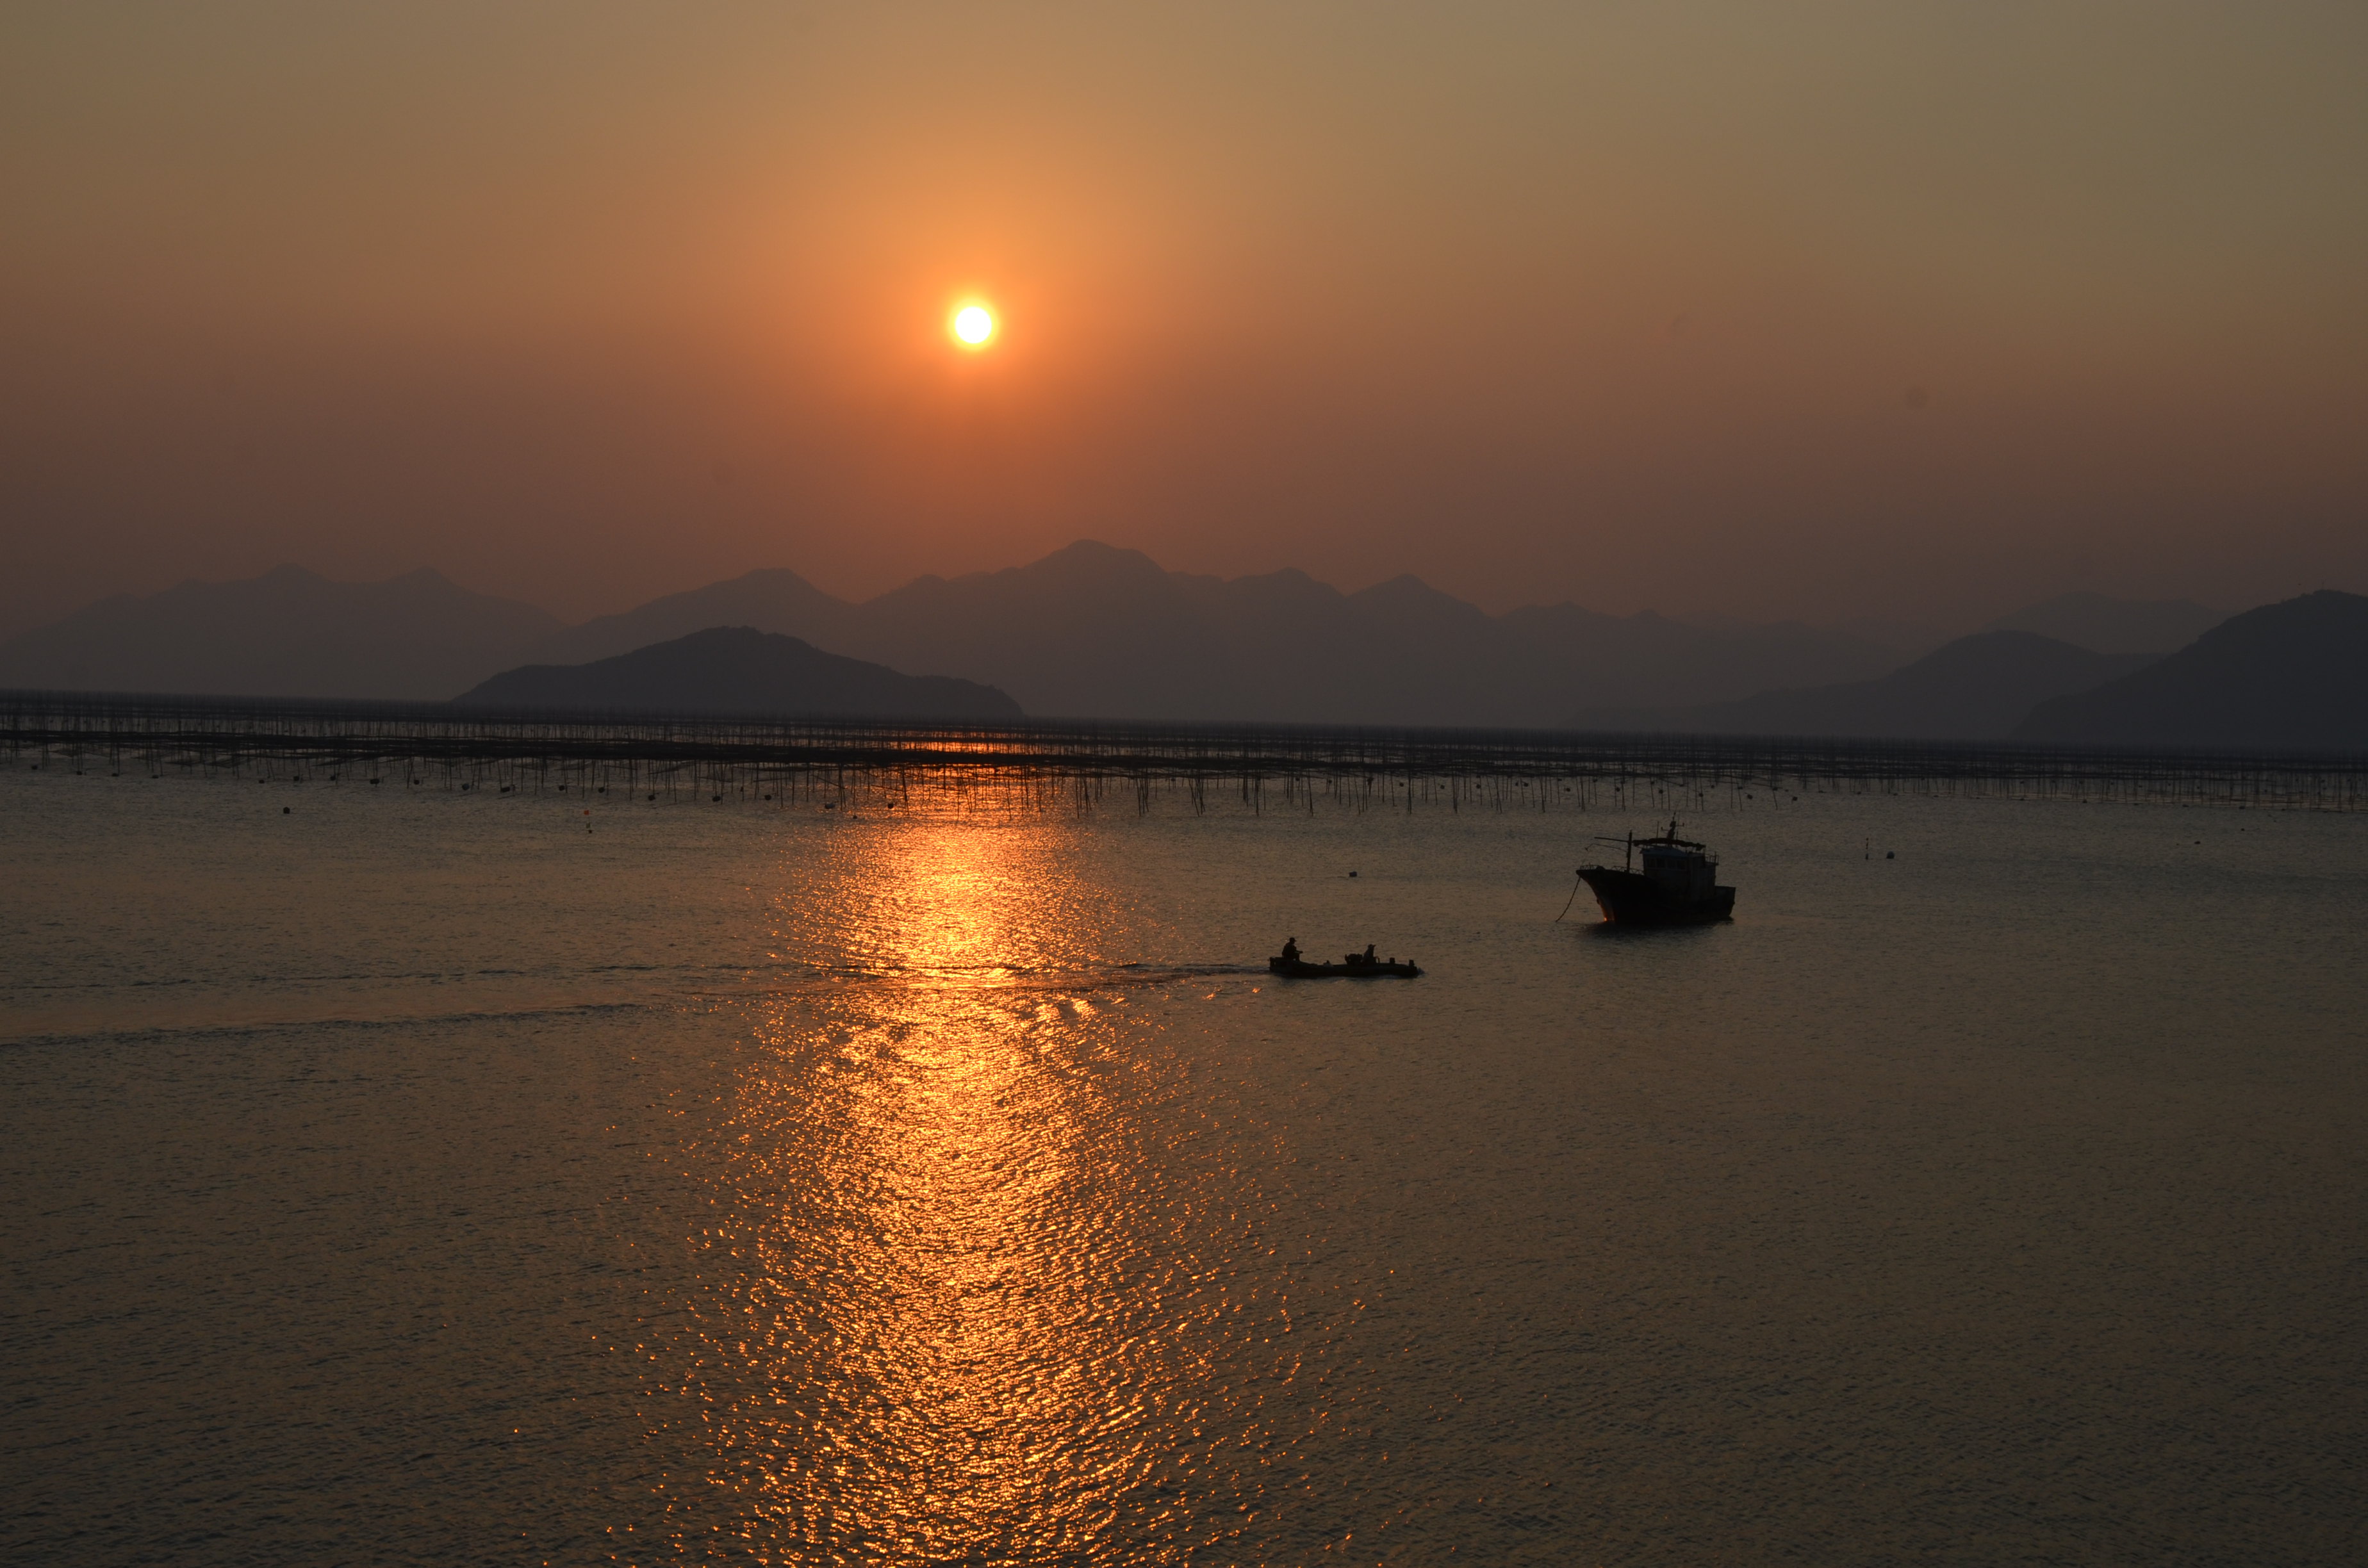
(974, 326)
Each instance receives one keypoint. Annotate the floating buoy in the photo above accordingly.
(285, 809)
(1353, 873)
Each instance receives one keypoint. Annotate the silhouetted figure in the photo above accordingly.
(1291, 949)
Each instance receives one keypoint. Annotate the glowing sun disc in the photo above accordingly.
(973, 324)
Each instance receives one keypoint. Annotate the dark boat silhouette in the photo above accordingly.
(1662, 881)
(1355, 966)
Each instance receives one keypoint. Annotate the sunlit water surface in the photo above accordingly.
(458, 1178)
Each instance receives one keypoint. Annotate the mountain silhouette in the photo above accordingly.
(1087, 631)
(1977, 687)
(2288, 675)
(773, 599)
(2109, 625)
(1096, 630)
(1649, 660)
(287, 633)
(1090, 630)
(739, 670)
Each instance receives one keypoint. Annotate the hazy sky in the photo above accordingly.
(1745, 307)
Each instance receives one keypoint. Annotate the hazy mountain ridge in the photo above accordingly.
(289, 633)
(1095, 630)
(739, 670)
(1090, 630)
(2292, 675)
(769, 599)
(1650, 660)
(1977, 687)
(2108, 625)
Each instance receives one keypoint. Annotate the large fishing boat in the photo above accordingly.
(1662, 881)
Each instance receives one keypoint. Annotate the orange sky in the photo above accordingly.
(586, 301)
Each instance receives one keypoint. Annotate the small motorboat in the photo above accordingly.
(1353, 966)
(1677, 883)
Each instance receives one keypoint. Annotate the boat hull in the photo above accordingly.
(1300, 969)
(1628, 898)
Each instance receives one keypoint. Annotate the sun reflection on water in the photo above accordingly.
(957, 1301)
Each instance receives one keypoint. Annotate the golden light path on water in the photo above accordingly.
(943, 1187)
(966, 1278)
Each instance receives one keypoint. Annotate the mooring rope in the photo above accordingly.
(1577, 882)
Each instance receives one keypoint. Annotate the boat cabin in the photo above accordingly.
(1686, 870)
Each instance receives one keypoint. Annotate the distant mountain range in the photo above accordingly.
(1098, 631)
(2104, 625)
(287, 633)
(1978, 688)
(2292, 675)
(1092, 630)
(736, 669)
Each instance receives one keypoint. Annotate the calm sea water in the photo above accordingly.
(460, 1178)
